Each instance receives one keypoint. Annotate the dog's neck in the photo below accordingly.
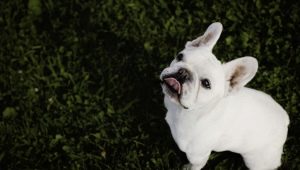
(183, 121)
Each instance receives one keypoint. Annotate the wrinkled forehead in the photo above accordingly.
(200, 56)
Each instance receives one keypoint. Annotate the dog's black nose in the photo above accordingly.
(183, 75)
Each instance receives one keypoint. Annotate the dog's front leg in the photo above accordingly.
(197, 161)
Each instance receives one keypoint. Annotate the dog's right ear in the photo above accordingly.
(209, 38)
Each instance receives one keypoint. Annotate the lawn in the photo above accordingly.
(79, 85)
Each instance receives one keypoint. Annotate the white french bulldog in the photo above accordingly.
(209, 109)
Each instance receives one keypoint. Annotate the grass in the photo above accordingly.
(79, 80)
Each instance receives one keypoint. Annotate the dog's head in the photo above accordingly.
(196, 78)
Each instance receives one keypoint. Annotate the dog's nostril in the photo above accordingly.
(182, 71)
(183, 74)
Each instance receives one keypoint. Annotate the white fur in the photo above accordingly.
(228, 116)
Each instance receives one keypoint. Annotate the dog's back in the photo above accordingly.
(256, 126)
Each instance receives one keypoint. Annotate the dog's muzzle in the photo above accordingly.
(175, 80)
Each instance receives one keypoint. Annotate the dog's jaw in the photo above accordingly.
(175, 97)
(174, 81)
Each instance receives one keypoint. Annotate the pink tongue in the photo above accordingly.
(174, 84)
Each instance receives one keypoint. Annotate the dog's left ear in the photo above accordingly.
(240, 71)
(209, 38)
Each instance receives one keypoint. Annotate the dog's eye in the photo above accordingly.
(205, 83)
(179, 57)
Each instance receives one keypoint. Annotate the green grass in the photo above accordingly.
(79, 79)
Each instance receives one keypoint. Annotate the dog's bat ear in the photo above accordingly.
(209, 38)
(240, 71)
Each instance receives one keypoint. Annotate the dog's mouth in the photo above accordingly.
(174, 83)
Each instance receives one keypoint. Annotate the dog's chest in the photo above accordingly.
(189, 132)
(182, 129)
